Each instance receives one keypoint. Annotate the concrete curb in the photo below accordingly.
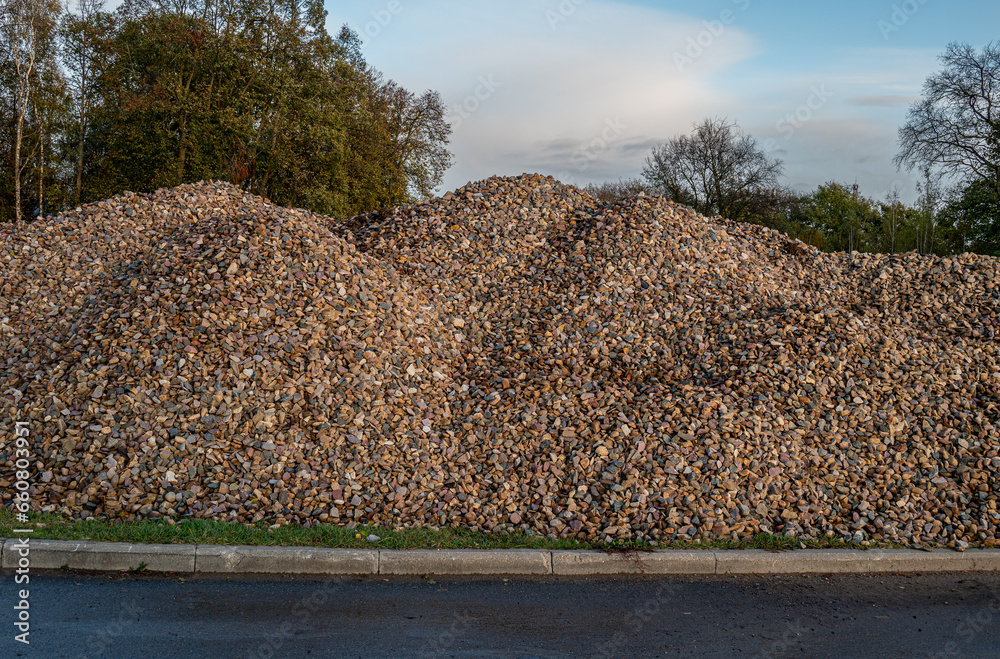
(757, 561)
(465, 561)
(54, 554)
(905, 560)
(654, 562)
(284, 560)
(212, 559)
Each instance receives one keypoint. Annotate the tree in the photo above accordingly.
(924, 226)
(163, 92)
(260, 94)
(19, 34)
(418, 134)
(894, 220)
(785, 211)
(83, 34)
(49, 111)
(397, 140)
(26, 32)
(718, 170)
(848, 220)
(972, 220)
(611, 192)
(955, 127)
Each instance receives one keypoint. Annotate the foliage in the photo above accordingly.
(971, 222)
(953, 133)
(31, 105)
(836, 218)
(84, 36)
(783, 210)
(162, 92)
(847, 220)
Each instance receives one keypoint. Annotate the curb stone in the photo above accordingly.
(216, 559)
(654, 562)
(901, 560)
(465, 561)
(103, 556)
(760, 561)
(284, 560)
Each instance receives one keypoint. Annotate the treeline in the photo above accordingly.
(951, 136)
(836, 218)
(162, 92)
(833, 218)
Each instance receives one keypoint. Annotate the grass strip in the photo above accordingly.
(212, 532)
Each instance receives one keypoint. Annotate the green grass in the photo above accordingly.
(207, 532)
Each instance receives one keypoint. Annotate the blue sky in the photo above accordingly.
(582, 89)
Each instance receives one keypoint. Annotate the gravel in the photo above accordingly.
(511, 356)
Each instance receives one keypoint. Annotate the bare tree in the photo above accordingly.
(717, 170)
(611, 192)
(955, 127)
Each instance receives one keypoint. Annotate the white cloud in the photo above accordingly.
(566, 71)
(562, 79)
(853, 135)
(883, 100)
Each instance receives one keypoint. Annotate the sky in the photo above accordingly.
(584, 89)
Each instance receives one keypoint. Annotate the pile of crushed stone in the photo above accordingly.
(513, 355)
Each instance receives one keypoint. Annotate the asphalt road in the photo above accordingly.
(123, 615)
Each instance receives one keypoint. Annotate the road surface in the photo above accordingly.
(128, 615)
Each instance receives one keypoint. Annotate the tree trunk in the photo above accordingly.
(41, 171)
(41, 162)
(17, 167)
(24, 29)
(181, 156)
(79, 165)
